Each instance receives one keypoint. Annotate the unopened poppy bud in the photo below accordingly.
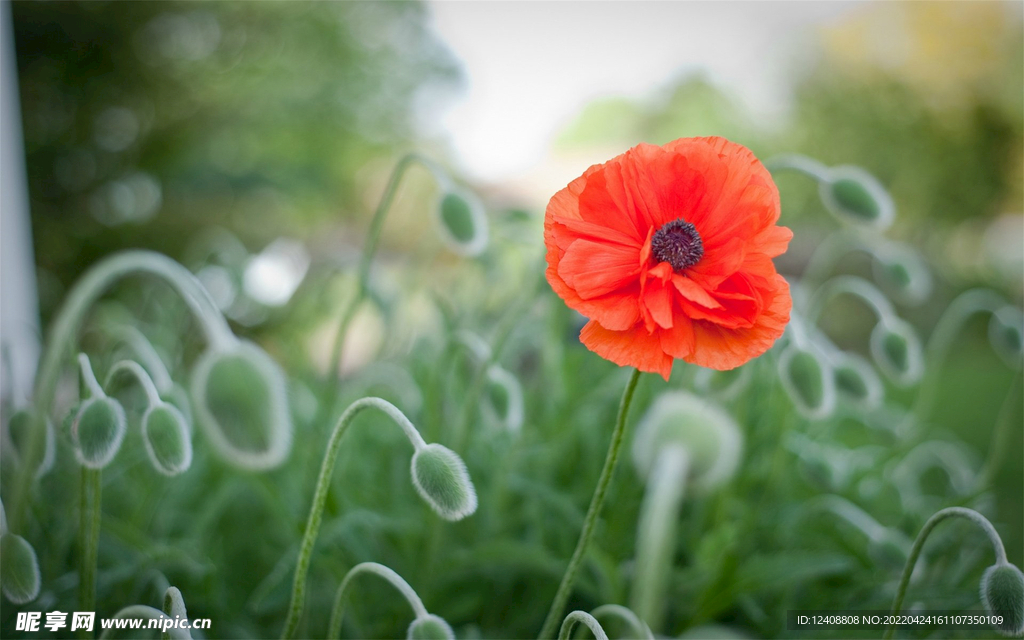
(808, 381)
(463, 222)
(441, 479)
(240, 402)
(709, 435)
(857, 382)
(855, 196)
(1002, 591)
(1005, 333)
(430, 627)
(97, 431)
(167, 438)
(19, 430)
(903, 274)
(897, 351)
(19, 569)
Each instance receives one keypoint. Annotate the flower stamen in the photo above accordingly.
(678, 244)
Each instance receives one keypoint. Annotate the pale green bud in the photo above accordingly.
(463, 222)
(897, 351)
(808, 380)
(856, 197)
(1005, 331)
(709, 435)
(857, 382)
(167, 438)
(441, 479)
(19, 569)
(1002, 591)
(15, 443)
(241, 404)
(430, 627)
(98, 431)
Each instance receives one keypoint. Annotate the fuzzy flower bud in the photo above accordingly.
(441, 479)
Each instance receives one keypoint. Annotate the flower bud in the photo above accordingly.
(167, 438)
(441, 479)
(710, 437)
(857, 382)
(430, 627)
(19, 569)
(240, 402)
(16, 438)
(902, 273)
(856, 197)
(897, 351)
(463, 222)
(97, 431)
(1002, 591)
(1005, 331)
(809, 382)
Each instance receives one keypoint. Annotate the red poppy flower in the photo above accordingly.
(668, 251)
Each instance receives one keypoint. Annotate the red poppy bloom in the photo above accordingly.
(668, 251)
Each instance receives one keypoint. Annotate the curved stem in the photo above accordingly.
(89, 378)
(366, 260)
(338, 610)
(850, 285)
(134, 368)
(152, 613)
(941, 341)
(915, 551)
(62, 337)
(577, 617)
(611, 460)
(835, 246)
(89, 538)
(1001, 436)
(145, 352)
(639, 627)
(323, 485)
(796, 162)
(666, 487)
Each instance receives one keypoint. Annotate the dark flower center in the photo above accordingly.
(678, 244)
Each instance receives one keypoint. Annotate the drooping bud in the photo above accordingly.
(902, 273)
(809, 382)
(856, 197)
(897, 351)
(857, 382)
(708, 434)
(441, 479)
(167, 438)
(430, 627)
(98, 431)
(463, 222)
(241, 404)
(1002, 591)
(18, 432)
(19, 569)
(1006, 333)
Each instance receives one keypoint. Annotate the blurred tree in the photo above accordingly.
(145, 121)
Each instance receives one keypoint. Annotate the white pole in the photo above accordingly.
(19, 307)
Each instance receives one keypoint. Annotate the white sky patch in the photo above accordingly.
(532, 66)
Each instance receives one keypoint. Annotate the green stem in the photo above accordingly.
(366, 260)
(939, 344)
(802, 164)
(323, 486)
(577, 617)
(1001, 436)
(666, 487)
(915, 551)
(62, 337)
(564, 588)
(338, 610)
(89, 538)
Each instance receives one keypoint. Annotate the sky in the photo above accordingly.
(530, 67)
